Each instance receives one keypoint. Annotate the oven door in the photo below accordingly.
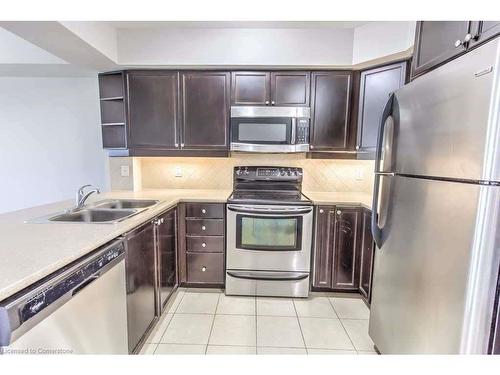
(269, 238)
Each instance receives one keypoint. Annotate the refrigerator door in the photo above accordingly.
(447, 121)
(422, 297)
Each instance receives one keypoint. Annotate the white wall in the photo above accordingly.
(235, 46)
(50, 140)
(377, 39)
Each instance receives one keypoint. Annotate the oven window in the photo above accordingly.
(269, 233)
(254, 132)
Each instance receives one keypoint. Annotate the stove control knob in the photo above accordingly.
(289, 172)
(282, 172)
(238, 172)
(247, 172)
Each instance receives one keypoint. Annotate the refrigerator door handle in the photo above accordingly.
(384, 147)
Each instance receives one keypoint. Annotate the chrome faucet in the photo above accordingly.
(81, 196)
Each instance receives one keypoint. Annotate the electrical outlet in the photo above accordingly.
(125, 170)
(178, 172)
(360, 176)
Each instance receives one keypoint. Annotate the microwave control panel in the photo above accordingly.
(302, 135)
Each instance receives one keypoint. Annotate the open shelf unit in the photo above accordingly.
(113, 110)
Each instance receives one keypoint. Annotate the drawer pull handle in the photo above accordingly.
(203, 269)
(203, 211)
(203, 227)
(203, 244)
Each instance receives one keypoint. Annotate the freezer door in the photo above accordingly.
(447, 121)
(421, 296)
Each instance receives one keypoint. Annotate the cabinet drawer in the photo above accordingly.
(205, 244)
(202, 210)
(205, 227)
(205, 268)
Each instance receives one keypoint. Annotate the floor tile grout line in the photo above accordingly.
(213, 321)
(256, 329)
(348, 336)
(333, 307)
(173, 314)
(300, 326)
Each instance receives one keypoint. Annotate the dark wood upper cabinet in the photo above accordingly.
(367, 247)
(437, 42)
(287, 88)
(250, 88)
(376, 85)
(346, 258)
(153, 108)
(290, 88)
(323, 247)
(205, 110)
(331, 95)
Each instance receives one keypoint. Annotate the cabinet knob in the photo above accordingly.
(182, 144)
(311, 147)
(203, 244)
(203, 227)
(321, 211)
(162, 220)
(357, 147)
(176, 145)
(467, 38)
(458, 43)
(273, 102)
(339, 212)
(203, 211)
(267, 102)
(203, 269)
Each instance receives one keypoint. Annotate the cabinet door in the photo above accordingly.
(140, 270)
(366, 262)
(152, 109)
(290, 88)
(323, 255)
(435, 43)
(205, 111)
(481, 31)
(375, 88)
(331, 92)
(346, 259)
(167, 260)
(250, 88)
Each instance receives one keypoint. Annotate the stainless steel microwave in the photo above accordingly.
(270, 129)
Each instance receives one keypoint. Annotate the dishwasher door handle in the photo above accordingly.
(83, 285)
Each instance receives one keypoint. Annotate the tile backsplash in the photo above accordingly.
(217, 173)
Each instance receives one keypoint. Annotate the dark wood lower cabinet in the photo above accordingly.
(166, 242)
(341, 238)
(201, 239)
(140, 276)
(367, 248)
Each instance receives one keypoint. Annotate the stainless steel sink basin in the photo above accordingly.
(94, 215)
(116, 204)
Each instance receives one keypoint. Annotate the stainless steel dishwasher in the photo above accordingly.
(80, 309)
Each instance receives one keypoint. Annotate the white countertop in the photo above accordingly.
(31, 251)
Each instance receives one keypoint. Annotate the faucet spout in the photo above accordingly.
(81, 196)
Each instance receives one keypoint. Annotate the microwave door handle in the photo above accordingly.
(293, 139)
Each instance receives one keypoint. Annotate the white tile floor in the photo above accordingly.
(208, 322)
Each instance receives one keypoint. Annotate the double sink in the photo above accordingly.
(105, 211)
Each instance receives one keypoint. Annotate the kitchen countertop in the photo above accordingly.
(340, 198)
(31, 251)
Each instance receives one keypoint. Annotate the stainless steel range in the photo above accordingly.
(269, 233)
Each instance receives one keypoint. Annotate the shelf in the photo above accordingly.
(112, 98)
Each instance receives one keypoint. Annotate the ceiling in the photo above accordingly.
(235, 24)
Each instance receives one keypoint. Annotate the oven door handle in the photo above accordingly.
(271, 211)
(269, 276)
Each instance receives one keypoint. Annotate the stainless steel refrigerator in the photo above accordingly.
(436, 208)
